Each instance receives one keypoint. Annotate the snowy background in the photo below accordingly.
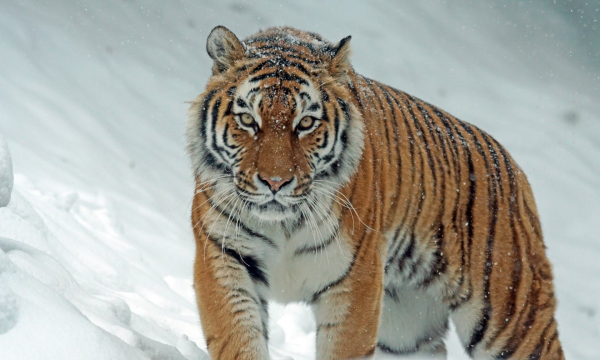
(95, 243)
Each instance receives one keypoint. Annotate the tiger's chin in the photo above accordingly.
(274, 211)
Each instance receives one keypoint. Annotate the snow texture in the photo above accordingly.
(6, 173)
(96, 249)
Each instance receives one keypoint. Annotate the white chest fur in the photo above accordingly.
(306, 264)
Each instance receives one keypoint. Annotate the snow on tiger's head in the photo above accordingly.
(276, 119)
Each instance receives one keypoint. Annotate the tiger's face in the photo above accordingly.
(274, 130)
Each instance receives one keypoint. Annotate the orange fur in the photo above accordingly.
(433, 204)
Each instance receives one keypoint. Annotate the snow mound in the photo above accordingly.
(6, 176)
(72, 297)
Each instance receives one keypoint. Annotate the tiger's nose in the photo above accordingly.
(275, 182)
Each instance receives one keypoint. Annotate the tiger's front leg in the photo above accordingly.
(229, 304)
(347, 312)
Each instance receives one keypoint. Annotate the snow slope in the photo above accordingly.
(95, 243)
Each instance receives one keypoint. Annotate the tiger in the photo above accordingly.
(384, 214)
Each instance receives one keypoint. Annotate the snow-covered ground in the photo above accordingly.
(95, 243)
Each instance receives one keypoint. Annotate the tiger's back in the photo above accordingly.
(461, 224)
(411, 215)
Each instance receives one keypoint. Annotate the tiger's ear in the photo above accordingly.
(340, 62)
(224, 48)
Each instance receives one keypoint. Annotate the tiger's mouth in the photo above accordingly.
(282, 204)
(273, 210)
(272, 205)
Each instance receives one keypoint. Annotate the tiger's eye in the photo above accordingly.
(306, 122)
(247, 119)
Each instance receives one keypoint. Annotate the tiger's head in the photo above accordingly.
(275, 131)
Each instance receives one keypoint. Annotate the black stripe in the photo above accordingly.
(392, 292)
(264, 304)
(536, 354)
(384, 120)
(423, 138)
(481, 328)
(326, 326)
(469, 209)
(492, 210)
(407, 255)
(204, 113)
(456, 220)
(252, 265)
(313, 107)
(344, 107)
(302, 58)
(411, 150)
(280, 62)
(419, 342)
(231, 90)
(336, 127)
(420, 196)
(225, 141)
(429, 121)
(325, 141)
(247, 183)
(552, 340)
(229, 107)
(241, 103)
(303, 95)
(394, 144)
(219, 150)
(397, 352)
(442, 139)
(324, 95)
(495, 159)
(356, 95)
(438, 265)
(282, 75)
(516, 248)
(313, 249)
(215, 117)
(317, 295)
(505, 354)
(325, 117)
(533, 220)
(394, 249)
